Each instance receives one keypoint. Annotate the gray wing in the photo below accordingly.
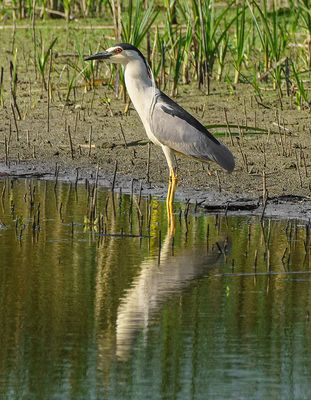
(176, 128)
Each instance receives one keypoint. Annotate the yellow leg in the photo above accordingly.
(168, 196)
(170, 200)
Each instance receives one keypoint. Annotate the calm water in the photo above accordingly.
(119, 310)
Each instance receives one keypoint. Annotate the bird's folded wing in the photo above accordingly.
(176, 128)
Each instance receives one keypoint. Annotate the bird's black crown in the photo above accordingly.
(128, 46)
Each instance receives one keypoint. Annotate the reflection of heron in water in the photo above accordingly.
(159, 278)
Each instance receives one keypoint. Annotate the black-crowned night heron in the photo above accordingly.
(166, 123)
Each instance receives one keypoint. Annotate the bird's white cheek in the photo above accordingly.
(117, 59)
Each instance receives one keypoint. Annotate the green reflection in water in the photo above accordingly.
(222, 310)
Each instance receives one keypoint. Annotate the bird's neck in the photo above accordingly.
(140, 87)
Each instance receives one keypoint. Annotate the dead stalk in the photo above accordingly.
(114, 176)
(228, 127)
(70, 142)
(49, 92)
(90, 140)
(122, 132)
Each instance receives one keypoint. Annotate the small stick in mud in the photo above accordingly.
(218, 181)
(92, 102)
(56, 176)
(122, 132)
(10, 132)
(114, 176)
(49, 92)
(140, 191)
(308, 235)
(228, 127)
(131, 202)
(264, 155)
(149, 213)
(148, 165)
(265, 201)
(244, 158)
(70, 142)
(264, 187)
(90, 140)
(1, 87)
(6, 151)
(77, 178)
(15, 122)
(13, 80)
(245, 113)
(241, 134)
(298, 169)
(93, 204)
(76, 120)
(120, 199)
(96, 176)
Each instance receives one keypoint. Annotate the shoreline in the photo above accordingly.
(286, 206)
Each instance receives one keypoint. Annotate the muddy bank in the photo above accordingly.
(211, 201)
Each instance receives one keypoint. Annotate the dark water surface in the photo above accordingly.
(116, 309)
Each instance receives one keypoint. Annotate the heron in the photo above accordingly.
(166, 123)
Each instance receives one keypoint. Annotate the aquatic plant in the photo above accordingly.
(43, 58)
(137, 22)
(184, 41)
(273, 38)
(300, 90)
(239, 48)
(209, 31)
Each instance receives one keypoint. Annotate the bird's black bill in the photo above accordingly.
(104, 55)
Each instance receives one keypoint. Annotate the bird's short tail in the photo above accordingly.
(223, 156)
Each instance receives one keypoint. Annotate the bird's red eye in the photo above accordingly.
(118, 50)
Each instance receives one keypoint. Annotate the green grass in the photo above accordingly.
(185, 42)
